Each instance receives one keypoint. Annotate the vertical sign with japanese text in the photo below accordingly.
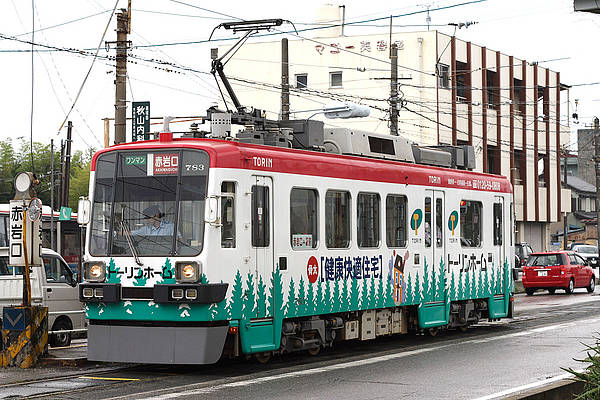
(16, 234)
(140, 121)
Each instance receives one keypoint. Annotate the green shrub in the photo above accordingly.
(591, 375)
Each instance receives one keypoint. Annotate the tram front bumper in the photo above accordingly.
(196, 293)
(156, 344)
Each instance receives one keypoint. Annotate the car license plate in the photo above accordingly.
(542, 273)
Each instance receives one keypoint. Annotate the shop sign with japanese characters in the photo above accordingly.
(32, 233)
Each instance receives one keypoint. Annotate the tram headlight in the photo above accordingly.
(177, 294)
(94, 271)
(187, 271)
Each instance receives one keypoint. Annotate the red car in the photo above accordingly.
(557, 270)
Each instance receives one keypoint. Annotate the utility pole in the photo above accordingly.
(285, 81)
(597, 163)
(61, 174)
(121, 46)
(565, 223)
(52, 195)
(394, 90)
(67, 176)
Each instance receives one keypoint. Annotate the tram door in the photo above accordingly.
(499, 224)
(262, 241)
(435, 243)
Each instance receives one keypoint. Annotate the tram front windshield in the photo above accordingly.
(149, 203)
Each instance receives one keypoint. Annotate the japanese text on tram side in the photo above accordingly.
(477, 184)
(135, 272)
(344, 268)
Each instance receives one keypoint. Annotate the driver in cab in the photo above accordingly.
(153, 223)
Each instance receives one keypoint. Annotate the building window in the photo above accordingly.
(462, 74)
(367, 207)
(303, 218)
(519, 96)
(227, 214)
(335, 79)
(395, 221)
(301, 81)
(337, 219)
(573, 204)
(493, 160)
(543, 103)
(470, 223)
(492, 88)
(443, 76)
(593, 205)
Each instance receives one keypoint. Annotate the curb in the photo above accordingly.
(64, 362)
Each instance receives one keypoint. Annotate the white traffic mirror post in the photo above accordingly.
(25, 250)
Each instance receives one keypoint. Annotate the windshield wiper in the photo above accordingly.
(130, 243)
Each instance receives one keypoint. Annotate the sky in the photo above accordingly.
(547, 31)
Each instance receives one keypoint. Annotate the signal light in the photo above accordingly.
(234, 330)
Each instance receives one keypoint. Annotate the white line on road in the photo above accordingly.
(523, 388)
(200, 388)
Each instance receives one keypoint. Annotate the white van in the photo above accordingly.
(53, 286)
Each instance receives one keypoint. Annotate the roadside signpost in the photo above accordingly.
(65, 214)
(140, 121)
(24, 328)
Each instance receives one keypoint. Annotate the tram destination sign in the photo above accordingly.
(140, 121)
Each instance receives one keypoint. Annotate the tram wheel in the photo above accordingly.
(263, 358)
(314, 351)
(433, 331)
(463, 328)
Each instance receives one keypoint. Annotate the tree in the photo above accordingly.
(14, 159)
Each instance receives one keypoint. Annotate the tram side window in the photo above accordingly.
(337, 219)
(227, 215)
(439, 230)
(470, 223)
(497, 224)
(260, 216)
(395, 221)
(303, 219)
(367, 207)
(427, 221)
(4, 242)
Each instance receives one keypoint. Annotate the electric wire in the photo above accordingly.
(91, 66)
(32, 82)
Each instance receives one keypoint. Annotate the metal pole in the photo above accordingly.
(26, 281)
(285, 81)
(62, 175)
(121, 77)
(394, 91)
(67, 177)
(597, 160)
(52, 194)
(565, 223)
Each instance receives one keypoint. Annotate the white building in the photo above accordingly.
(508, 109)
